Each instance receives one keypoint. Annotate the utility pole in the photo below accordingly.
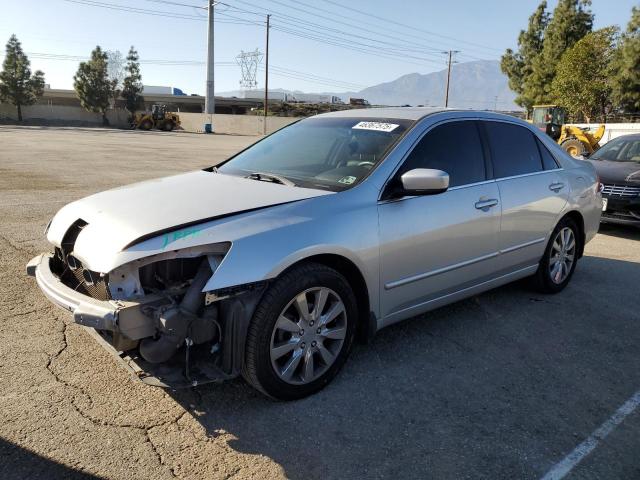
(495, 106)
(450, 53)
(266, 80)
(209, 102)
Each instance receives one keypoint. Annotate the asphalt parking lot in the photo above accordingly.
(503, 385)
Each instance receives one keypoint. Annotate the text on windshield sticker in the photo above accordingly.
(377, 126)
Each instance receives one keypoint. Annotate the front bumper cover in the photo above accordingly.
(624, 211)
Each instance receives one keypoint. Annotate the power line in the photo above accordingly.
(167, 2)
(391, 51)
(294, 23)
(380, 54)
(415, 47)
(409, 26)
(112, 6)
(418, 47)
(377, 27)
(275, 70)
(393, 54)
(145, 11)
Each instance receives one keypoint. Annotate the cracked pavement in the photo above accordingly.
(502, 385)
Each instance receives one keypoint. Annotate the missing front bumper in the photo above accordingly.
(105, 320)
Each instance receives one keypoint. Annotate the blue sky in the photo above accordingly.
(479, 29)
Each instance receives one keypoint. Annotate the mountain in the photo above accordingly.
(473, 85)
(479, 85)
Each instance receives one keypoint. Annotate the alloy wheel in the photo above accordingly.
(562, 255)
(308, 336)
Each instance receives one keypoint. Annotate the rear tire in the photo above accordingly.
(574, 147)
(146, 125)
(289, 355)
(560, 258)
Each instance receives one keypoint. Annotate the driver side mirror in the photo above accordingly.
(424, 181)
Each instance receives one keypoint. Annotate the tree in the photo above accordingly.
(17, 85)
(626, 81)
(571, 21)
(518, 66)
(583, 78)
(132, 83)
(92, 84)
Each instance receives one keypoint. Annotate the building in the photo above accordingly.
(179, 103)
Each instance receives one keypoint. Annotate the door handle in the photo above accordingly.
(485, 205)
(556, 187)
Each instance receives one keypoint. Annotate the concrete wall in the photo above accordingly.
(233, 124)
(191, 122)
(63, 115)
(612, 130)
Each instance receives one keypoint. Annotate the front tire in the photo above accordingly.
(560, 258)
(301, 333)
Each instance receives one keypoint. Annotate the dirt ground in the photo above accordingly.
(503, 385)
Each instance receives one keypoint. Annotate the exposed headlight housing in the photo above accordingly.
(164, 271)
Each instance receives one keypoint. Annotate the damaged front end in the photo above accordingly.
(153, 313)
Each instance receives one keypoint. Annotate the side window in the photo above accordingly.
(548, 162)
(455, 148)
(513, 149)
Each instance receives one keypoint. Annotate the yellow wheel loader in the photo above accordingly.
(160, 117)
(576, 141)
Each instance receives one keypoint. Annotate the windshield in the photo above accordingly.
(328, 153)
(619, 150)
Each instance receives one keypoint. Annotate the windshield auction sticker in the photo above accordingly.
(377, 126)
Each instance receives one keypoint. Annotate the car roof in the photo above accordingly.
(401, 113)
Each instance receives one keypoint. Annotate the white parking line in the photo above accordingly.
(562, 468)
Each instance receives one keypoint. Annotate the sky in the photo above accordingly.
(315, 45)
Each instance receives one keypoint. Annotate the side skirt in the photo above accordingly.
(458, 295)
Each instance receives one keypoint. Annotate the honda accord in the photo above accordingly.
(271, 263)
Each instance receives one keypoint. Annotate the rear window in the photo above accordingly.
(548, 162)
(513, 150)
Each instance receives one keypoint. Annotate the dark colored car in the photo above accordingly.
(618, 166)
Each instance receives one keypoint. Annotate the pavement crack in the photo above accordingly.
(21, 314)
(12, 245)
(53, 357)
(157, 453)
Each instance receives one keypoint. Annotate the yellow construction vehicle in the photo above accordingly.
(576, 141)
(159, 117)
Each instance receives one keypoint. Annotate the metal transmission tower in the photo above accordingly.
(249, 62)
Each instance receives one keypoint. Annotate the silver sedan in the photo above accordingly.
(272, 263)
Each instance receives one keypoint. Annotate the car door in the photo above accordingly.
(532, 190)
(437, 244)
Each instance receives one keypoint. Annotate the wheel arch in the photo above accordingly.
(577, 217)
(367, 323)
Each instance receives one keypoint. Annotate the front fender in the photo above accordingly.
(264, 256)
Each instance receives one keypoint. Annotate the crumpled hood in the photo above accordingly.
(617, 172)
(120, 217)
